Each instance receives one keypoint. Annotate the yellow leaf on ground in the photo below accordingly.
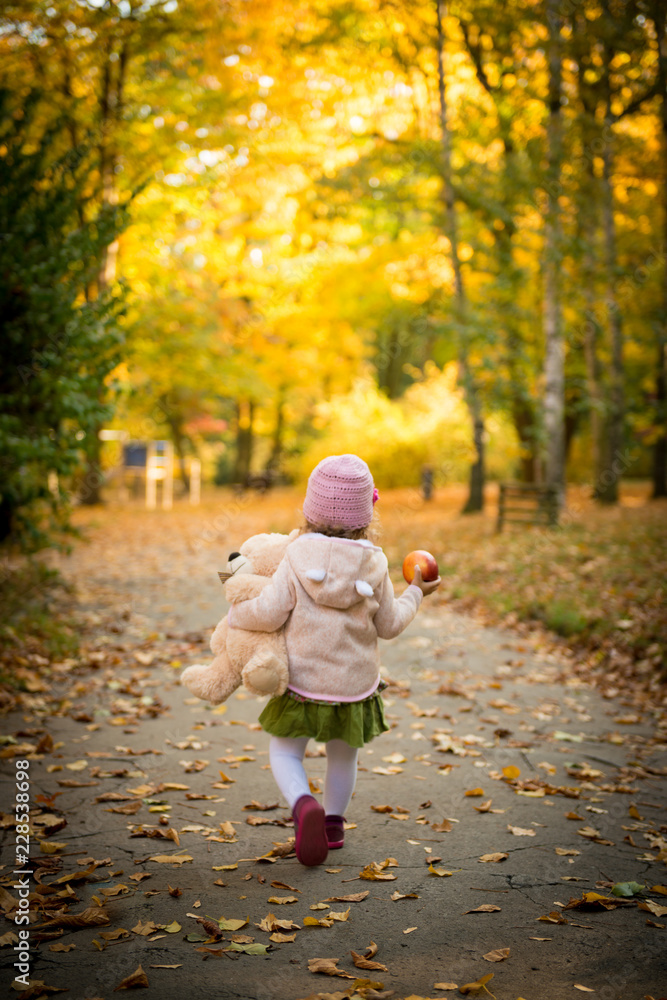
(52, 847)
(441, 872)
(484, 908)
(520, 831)
(282, 899)
(497, 955)
(474, 793)
(479, 984)
(445, 986)
(279, 938)
(492, 858)
(511, 772)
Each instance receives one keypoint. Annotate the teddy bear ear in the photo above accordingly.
(316, 575)
(363, 588)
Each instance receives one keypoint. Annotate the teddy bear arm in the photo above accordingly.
(245, 586)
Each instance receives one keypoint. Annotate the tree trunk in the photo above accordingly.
(606, 489)
(111, 102)
(277, 443)
(554, 375)
(660, 446)
(475, 501)
(244, 439)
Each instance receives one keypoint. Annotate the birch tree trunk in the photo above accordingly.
(554, 377)
(475, 501)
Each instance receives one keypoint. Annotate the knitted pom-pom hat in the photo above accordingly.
(340, 493)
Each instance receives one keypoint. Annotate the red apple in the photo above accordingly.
(427, 564)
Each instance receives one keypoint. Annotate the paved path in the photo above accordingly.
(465, 703)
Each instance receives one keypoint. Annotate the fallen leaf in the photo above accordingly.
(279, 938)
(479, 984)
(511, 772)
(655, 908)
(474, 793)
(520, 831)
(404, 895)
(134, 981)
(354, 897)
(364, 961)
(552, 918)
(145, 928)
(484, 908)
(173, 859)
(328, 967)
(498, 955)
(60, 946)
(92, 916)
(441, 872)
(165, 966)
(271, 923)
(375, 871)
(584, 989)
(249, 949)
(489, 858)
(445, 986)
(409, 930)
(282, 899)
(565, 852)
(484, 807)
(444, 827)
(314, 922)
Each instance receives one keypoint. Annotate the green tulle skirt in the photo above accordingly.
(356, 722)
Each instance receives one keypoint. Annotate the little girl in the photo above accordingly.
(332, 589)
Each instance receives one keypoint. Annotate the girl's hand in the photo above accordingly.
(426, 586)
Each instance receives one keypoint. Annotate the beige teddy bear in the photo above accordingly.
(258, 659)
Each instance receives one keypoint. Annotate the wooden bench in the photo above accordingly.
(527, 503)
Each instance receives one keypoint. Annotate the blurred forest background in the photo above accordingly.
(428, 233)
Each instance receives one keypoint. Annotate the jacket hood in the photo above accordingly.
(336, 572)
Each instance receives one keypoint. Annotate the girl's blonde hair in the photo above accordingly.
(370, 531)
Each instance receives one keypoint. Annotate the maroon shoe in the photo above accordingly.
(335, 827)
(311, 836)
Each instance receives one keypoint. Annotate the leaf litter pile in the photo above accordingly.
(101, 743)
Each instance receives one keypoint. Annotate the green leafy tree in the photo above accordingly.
(59, 334)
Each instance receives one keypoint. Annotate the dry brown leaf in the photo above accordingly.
(171, 859)
(364, 961)
(583, 989)
(483, 807)
(145, 928)
(564, 852)
(655, 908)
(328, 967)
(492, 858)
(444, 827)
(271, 923)
(404, 895)
(283, 885)
(375, 871)
(137, 980)
(315, 922)
(353, 897)
(279, 938)
(484, 908)
(497, 955)
(520, 831)
(92, 916)
(282, 899)
(382, 809)
(445, 986)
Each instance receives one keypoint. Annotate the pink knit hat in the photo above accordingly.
(340, 493)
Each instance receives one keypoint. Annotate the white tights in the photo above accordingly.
(286, 757)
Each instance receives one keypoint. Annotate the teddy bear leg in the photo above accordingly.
(265, 672)
(213, 681)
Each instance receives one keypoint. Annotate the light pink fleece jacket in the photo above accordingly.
(335, 598)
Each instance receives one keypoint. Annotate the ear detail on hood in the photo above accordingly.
(316, 575)
(363, 588)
